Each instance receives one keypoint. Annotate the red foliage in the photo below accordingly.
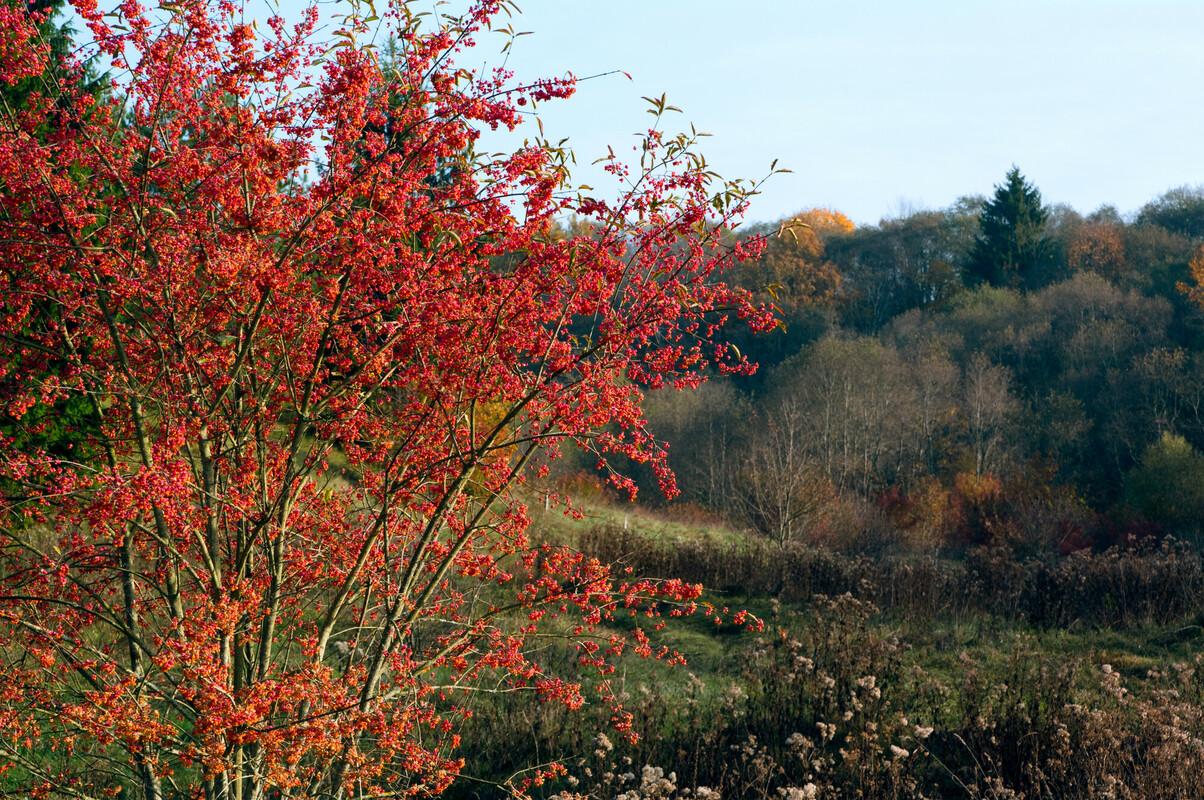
(322, 340)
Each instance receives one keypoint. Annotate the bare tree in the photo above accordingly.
(990, 409)
(778, 487)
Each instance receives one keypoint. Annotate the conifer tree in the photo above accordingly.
(1011, 247)
(59, 428)
(54, 45)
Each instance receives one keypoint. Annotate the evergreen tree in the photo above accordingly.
(65, 427)
(1011, 248)
(58, 37)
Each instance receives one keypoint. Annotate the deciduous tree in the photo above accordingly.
(1099, 248)
(318, 375)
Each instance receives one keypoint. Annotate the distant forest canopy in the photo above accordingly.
(999, 372)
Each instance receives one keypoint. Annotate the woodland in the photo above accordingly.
(1000, 373)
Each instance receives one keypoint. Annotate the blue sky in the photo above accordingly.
(883, 106)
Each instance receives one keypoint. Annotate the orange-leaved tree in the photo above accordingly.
(1195, 267)
(321, 339)
(794, 269)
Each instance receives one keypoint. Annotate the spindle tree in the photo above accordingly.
(320, 339)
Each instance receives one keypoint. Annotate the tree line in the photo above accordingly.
(1001, 371)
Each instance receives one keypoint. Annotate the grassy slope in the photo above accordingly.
(936, 645)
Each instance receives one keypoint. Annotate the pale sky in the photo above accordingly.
(886, 105)
(883, 106)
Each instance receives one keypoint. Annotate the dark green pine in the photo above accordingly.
(1011, 248)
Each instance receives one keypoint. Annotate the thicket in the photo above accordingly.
(1157, 584)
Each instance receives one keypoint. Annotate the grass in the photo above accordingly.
(936, 645)
(557, 526)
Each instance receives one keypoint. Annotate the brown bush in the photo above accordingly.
(1152, 583)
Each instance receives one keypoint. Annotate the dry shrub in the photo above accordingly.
(1028, 514)
(1073, 730)
(823, 708)
(1149, 583)
(851, 524)
(925, 518)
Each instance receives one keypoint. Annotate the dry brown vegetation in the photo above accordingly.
(892, 676)
(1149, 584)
